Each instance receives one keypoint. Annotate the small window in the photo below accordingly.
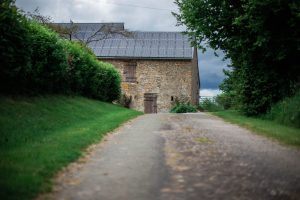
(172, 98)
(130, 72)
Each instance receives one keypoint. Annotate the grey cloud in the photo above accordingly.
(211, 81)
(98, 11)
(211, 69)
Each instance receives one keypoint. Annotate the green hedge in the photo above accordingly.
(14, 51)
(183, 108)
(89, 77)
(48, 69)
(35, 60)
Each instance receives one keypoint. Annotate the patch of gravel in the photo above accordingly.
(208, 158)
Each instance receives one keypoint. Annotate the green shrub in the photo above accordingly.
(35, 60)
(48, 71)
(200, 108)
(287, 111)
(183, 108)
(225, 100)
(89, 77)
(14, 51)
(105, 82)
(210, 105)
(76, 67)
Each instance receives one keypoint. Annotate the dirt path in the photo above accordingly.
(211, 159)
(186, 157)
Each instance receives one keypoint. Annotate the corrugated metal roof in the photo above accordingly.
(138, 45)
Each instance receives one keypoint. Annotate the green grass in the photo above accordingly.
(287, 111)
(284, 134)
(39, 136)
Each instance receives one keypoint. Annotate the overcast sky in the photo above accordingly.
(142, 15)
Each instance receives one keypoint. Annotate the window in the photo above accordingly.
(130, 72)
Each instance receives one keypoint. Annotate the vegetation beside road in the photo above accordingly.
(35, 60)
(264, 64)
(285, 134)
(285, 112)
(183, 108)
(282, 122)
(263, 79)
(40, 135)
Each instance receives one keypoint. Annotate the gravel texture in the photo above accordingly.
(182, 156)
(212, 159)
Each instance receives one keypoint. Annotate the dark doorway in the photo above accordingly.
(150, 103)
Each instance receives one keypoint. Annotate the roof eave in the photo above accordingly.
(143, 58)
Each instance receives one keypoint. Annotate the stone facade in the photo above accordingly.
(168, 79)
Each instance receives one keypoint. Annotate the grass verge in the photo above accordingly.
(284, 134)
(39, 136)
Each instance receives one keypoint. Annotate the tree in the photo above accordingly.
(262, 39)
(70, 31)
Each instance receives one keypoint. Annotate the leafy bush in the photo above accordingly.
(200, 108)
(88, 76)
(35, 60)
(48, 71)
(210, 105)
(109, 82)
(183, 108)
(287, 111)
(14, 51)
(225, 100)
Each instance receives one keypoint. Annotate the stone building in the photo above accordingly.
(156, 67)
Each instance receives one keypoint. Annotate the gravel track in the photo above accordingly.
(182, 157)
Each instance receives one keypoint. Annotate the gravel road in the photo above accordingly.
(182, 157)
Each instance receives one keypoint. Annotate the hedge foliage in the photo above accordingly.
(183, 108)
(287, 111)
(14, 51)
(210, 105)
(89, 77)
(35, 60)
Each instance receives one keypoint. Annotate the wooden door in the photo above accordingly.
(150, 103)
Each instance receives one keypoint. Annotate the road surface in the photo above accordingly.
(182, 157)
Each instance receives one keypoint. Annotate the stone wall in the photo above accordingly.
(170, 79)
(195, 79)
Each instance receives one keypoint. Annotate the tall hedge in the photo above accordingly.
(48, 69)
(14, 51)
(35, 60)
(88, 76)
